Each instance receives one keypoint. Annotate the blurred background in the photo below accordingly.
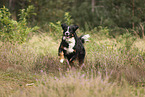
(116, 14)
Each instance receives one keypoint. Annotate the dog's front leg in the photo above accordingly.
(61, 54)
(72, 58)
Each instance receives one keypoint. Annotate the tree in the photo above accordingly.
(93, 5)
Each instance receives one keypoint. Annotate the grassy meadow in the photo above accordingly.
(114, 67)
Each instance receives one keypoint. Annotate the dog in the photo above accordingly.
(71, 46)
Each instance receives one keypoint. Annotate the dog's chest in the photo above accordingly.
(71, 43)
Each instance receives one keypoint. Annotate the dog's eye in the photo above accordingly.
(65, 29)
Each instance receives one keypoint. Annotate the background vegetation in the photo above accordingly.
(30, 34)
(115, 14)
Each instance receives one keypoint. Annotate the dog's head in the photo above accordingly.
(69, 31)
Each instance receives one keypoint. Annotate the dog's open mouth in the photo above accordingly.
(67, 37)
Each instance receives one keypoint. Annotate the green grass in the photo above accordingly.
(32, 69)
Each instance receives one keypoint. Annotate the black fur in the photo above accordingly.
(78, 49)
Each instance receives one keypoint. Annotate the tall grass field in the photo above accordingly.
(114, 67)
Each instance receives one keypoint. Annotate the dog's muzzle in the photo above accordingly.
(67, 33)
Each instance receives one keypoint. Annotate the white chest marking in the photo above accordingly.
(71, 42)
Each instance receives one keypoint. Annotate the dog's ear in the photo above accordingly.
(64, 26)
(75, 27)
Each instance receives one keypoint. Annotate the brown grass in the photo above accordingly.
(109, 69)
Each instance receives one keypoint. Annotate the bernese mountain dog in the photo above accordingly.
(71, 46)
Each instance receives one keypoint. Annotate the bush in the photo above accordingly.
(127, 41)
(139, 30)
(56, 27)
(15, 31)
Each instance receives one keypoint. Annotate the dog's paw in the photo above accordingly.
(61, 60)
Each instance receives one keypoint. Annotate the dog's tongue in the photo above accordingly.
(67, 36)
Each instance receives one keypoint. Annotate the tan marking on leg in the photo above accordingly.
(61, 57)
(62, 47)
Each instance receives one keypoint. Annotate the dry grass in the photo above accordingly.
(110, 69)
(76, 84)
(110, 57)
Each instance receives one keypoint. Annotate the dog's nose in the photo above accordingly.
(66, 33)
